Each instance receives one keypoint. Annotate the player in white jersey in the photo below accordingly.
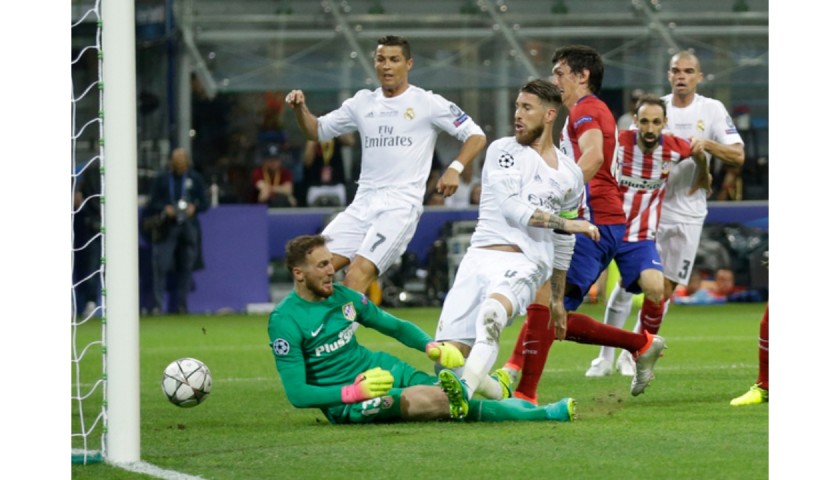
(529, 188)
(644, 159)
(398, 124)
(706, 124)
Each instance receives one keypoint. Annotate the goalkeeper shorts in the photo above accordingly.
(382, 409)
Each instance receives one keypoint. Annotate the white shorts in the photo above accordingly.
(677, 245)
(480, 273)
(377, 225)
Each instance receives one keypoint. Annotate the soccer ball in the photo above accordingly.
(186, 382)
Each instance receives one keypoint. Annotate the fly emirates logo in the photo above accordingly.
(386, 138)
(343, 339)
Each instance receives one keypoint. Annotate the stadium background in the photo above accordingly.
(162, 126)
(211, 76)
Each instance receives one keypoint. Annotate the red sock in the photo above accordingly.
(584, 329)
(538, 338)
(764, 351)
(651, 314)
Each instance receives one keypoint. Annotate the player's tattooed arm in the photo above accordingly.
(543, 219)
(558, 309)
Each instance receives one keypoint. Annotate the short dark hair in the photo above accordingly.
(580, 58)
(651, 99)
(396, 41)
(299, 247)
(544, 90)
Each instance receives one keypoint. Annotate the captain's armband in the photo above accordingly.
(566, 215)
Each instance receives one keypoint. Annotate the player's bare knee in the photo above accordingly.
(360, 275)
(655, 297)
(653, 285)
(654, 293)
(339, 261)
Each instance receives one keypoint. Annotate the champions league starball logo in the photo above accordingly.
(506, 160)
(280, 347)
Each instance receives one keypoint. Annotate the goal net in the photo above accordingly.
(89, 420)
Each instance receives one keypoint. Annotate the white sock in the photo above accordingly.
(489, 388)
(492, 318)
(618, 309)
(638, 327)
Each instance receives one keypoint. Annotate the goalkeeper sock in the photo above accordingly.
(538, 340)
(511, 409)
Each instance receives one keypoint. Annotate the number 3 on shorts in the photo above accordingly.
(684, 272)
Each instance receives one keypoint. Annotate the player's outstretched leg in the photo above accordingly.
(517, 409)
(562, 411)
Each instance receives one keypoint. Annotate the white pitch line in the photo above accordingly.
(659, 367)
(155, 471)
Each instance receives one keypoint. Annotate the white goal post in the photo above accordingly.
(122, 338)
(106, 393)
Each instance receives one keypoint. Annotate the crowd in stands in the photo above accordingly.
(706, 289)
(315, 175)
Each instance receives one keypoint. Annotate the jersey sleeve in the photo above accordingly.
(723, 128)
(571, 200)
(287, 345)
(679, 145)
(341, 120)
(451, 119)
(504, 182)
(581, 120)
(405, 332)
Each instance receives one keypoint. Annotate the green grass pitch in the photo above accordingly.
(682, 427)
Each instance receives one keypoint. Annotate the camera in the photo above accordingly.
(181, 213)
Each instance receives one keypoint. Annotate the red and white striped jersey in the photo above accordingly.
(642, 178)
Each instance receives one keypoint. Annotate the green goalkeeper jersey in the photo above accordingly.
(315, 347)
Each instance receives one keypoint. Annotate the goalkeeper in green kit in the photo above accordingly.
(321, 364)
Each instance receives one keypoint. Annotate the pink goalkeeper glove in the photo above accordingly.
(446, 354)
(369, 384)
